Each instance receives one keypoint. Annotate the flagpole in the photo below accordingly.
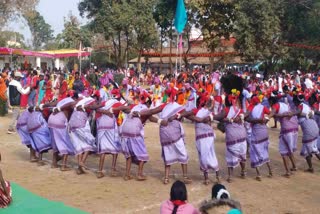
(177, 52)
(180, 51)
(80, 58)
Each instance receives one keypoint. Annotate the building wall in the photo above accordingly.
(49, 62)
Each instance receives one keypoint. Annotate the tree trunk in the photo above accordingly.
(139, 61)
(119, 50)
(161, 47)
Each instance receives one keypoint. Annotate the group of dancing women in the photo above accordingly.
(65, 127)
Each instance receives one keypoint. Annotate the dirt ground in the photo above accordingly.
(299, 194)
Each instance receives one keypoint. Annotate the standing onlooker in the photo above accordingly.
(15, 91)
(3, 95)
(77, 84)
(33, 89)
(41, 89)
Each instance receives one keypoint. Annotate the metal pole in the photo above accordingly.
(180, 52)
(177, 52)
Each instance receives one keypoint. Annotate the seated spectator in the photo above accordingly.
(221, 203)
(178, 201)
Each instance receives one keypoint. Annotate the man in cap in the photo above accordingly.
(15, 90)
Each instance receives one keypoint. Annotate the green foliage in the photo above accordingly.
(301, 25)
(163, 14)
(129, 25)
(11, 9)
(6, 36)
(215, 18)
(40, 30)
(73, 34)
(258, 29)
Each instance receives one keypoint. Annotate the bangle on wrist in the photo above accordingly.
(159, 121)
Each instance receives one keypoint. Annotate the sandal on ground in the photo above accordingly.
(41, 163)
(311, 170)
(83, 166)
(127, 177)
(294, 169)
(114, 173)
(243, 174)
(206, 182)
(166, 180)
(141, 178)
(100, 174)
(258, 178)
(287, 175)
(33, 160)
(80, 171)
(187, 180)
(54, 166)
(64, 168)
(229, 180)
(218, 179)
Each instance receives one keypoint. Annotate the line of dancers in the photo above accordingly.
(78, 126)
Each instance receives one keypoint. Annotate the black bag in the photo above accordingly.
(221, 126)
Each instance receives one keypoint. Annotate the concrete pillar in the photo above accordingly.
(38, 62)
(57, 63)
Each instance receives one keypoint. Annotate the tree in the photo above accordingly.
(73, 34)
(14, 37)
(40, 30)
(301, 25)
(164, 14)
(215, 19)
(145, 31)
(10, 9)
(258, 31)
(127, 24)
